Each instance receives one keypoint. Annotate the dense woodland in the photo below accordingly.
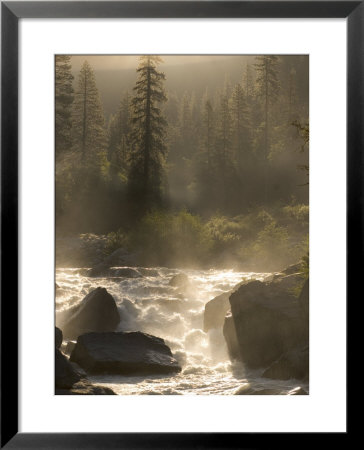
(216, 175)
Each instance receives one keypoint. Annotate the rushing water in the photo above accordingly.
(149, 304)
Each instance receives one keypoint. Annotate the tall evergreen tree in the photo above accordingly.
(63, 102)
(268, 89)
(147, 136)
(88, 118)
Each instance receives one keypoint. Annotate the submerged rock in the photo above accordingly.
(268, 321)
(96, 312)
(180, 280)
(66, 375)
(58, 337)
(124, 353)
(102, 270)
(292, 364)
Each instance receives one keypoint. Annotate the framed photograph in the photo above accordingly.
(181, 221)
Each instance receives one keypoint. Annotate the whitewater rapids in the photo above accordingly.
(151, 305)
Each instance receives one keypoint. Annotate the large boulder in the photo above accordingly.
(268, 320)
(58, 337)
(66, 374)
(215, 312)
(96, 312)
(292, 364)
(124, 353)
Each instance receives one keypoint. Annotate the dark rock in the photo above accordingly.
(85, 388)
(180, 280)
(96, 312)
(124, 353)
(66, 375)
(292, 364)
(215, 311)
(268, 320)
(59, 337)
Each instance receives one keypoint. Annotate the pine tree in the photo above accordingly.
(240, 123)
(147, 136)
(268, 89)
(88, 118)
(64, 99)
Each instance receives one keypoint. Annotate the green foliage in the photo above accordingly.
(166, 237)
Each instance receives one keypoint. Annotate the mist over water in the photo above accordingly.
(151, 305)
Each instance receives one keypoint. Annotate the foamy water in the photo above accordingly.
(149, 304)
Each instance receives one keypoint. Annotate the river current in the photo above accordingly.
(151, 305)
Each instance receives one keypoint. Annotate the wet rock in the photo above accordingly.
(124, 353)
(292, 364)
(96, 312)
(66, 375)
(85, 388)
(215, 311)
(58, 337)
(268, 320)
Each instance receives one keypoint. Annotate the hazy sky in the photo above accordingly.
(117, 62)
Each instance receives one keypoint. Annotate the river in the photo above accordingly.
(151, 305)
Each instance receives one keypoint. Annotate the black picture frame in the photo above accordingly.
(11, 12)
